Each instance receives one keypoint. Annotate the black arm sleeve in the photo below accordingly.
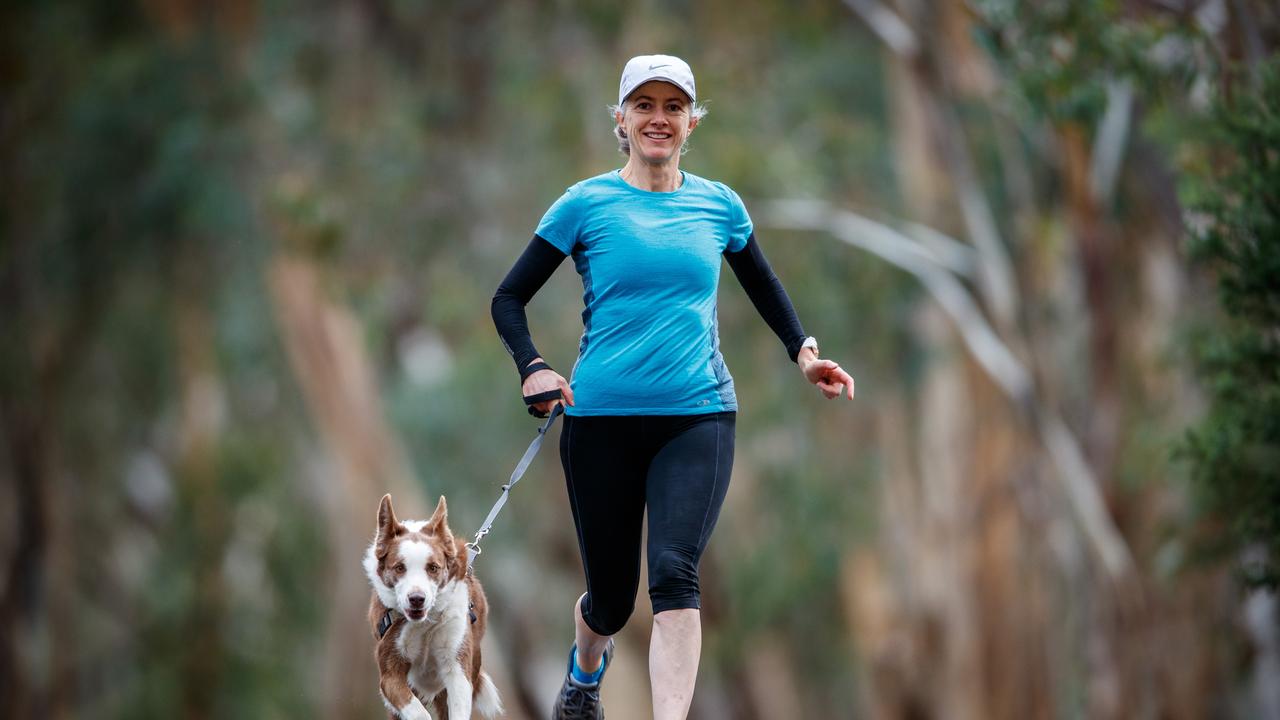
(767, 294)
(526, 277)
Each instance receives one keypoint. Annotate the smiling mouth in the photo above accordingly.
(657, 135)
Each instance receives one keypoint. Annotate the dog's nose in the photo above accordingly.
(416, 600)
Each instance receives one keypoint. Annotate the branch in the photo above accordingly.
(995, 273)
(952, 254)
(992, 354)
(886, 24)
(1113, 134)
(902, 251)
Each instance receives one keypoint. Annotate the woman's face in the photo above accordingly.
(657, 121)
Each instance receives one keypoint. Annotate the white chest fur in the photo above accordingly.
(432, 645)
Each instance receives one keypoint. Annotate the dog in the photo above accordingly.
(428, 614)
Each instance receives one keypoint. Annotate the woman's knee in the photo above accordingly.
(673, 580)
(606, 616)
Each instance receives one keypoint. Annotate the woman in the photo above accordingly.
(649, 416)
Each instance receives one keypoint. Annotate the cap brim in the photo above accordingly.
(660, 78)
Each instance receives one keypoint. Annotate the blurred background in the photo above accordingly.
(246, 259)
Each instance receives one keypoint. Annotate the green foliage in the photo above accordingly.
(1061, 55)
(1234, 452)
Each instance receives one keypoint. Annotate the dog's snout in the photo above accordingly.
(417, 600)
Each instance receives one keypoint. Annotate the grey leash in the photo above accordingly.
(473, 547)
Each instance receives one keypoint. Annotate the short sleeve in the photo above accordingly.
(562, 221)
(739, 222)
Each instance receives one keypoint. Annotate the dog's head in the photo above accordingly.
(410, 562)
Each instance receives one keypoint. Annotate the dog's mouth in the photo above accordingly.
(415, 614)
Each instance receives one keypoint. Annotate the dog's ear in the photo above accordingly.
(439, 522)
(459, 560)
(388, 526)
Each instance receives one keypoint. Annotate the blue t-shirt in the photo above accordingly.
(650, 267)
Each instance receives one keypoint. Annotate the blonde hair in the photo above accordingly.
(697, 111)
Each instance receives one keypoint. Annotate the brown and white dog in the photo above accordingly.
(428, 616)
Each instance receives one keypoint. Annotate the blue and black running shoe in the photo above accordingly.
(581, 701)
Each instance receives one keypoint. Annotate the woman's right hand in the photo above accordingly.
(546, 381)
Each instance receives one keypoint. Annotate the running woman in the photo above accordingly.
(650, 411)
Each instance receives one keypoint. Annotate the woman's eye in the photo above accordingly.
(642, 106)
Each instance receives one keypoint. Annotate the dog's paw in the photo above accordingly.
(414, 711)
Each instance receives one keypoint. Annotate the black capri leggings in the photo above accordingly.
(615, 467)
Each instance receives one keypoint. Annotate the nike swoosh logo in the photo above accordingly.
(655, 67)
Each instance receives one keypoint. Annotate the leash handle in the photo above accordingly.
(531, 400)
(473, 547)
(532, 368)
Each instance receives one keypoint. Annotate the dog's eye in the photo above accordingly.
(433, 568)
(400, 568)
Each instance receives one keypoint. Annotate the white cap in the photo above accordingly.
(668, 68)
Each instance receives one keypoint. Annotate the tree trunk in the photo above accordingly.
(326, 351)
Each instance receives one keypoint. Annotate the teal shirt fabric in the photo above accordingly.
(650, 267)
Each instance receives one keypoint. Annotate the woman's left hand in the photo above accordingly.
(827, 375)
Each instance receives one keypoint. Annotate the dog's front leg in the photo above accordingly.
(458, 689)
(403, 701)
(393, 682)
(408, 707)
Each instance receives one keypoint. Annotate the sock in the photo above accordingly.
(583, 676)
